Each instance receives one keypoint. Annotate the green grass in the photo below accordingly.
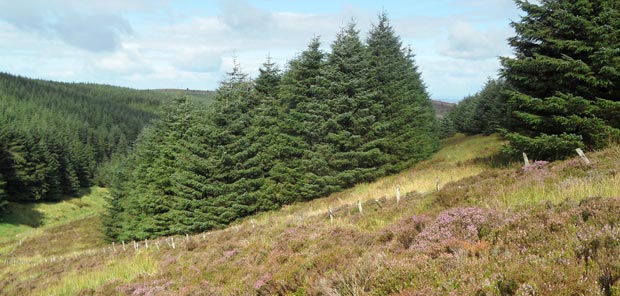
(533, 239)
(120, 270)
(25, 218)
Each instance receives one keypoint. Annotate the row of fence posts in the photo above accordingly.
(171, 242)
(580, 152)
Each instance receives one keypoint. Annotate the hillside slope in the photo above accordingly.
(54, 136)
(491, 229)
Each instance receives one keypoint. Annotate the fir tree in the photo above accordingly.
(405, 127)
(350, 105)
(566, 77)
(303, 95)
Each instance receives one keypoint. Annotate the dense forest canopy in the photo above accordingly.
(330, 120)
(54, 136)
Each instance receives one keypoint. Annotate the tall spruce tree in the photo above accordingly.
(351, 108)
(266, 145)
(404, 128)
(303, 94)
(566, 75)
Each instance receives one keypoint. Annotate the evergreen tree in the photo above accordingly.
(566, 77)
(55, 135)
(303, 95)
(491, 111)
(279, 139)
(446, 127)
(351, 108)
(405, 128)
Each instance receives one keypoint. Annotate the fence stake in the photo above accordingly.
(146, 243)
(331, 216)
(583, 156)
(172, 240)
(359, 206)
(526, 161)
(398, 194)
(437, 183)
(123, 245)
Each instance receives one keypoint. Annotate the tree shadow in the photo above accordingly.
(22, 214)
(27, 213)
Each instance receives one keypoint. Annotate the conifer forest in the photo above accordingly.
(334, 173)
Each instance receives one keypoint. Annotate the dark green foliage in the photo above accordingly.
(566, 77)
(54, 135)
(463, 115)
(446, 127)
(327, 122)
(351, 112)
(483, 113)
(405, 128)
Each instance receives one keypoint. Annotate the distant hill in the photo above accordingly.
(442, 108)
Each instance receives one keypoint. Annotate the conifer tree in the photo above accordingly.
(350, 106)
(303, 95)
(566, 77)
(405, 127)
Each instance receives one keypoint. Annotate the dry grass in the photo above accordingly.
(455, 161)
(118, 270)
(525, 235)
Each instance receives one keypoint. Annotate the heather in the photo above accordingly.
(482, 233)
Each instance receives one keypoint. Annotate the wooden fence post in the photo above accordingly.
(398, 194)
(583, 156)
(359, 206)
(526, 161)
(437, 183)
(331, 216)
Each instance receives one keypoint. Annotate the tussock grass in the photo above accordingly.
(118, 270)
(506, 231)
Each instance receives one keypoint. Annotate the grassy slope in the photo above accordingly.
(488, 230)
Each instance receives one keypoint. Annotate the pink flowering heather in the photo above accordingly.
(262, 281)
(457, 224)
(537, 165)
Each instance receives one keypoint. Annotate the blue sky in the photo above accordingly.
(191, 44)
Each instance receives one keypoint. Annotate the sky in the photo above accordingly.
(150, 44)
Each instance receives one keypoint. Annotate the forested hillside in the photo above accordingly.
(53, 136)
(331, 120)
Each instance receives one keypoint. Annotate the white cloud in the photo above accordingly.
(466, 42)
(90, 27)
(199, 61)
(124, 62)
(156, 44)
